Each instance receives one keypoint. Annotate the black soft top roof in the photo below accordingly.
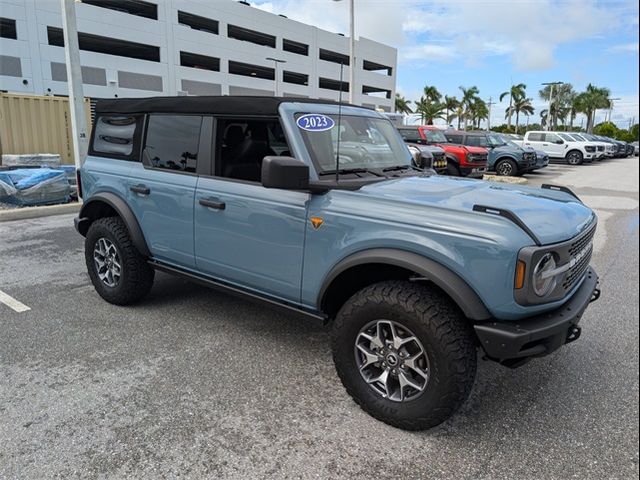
(224, 105)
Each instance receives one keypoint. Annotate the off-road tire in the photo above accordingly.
(137, 276)
(441, 328)
(506, 168)
(575, 157)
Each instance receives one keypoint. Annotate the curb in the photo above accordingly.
(36, 212)
(511, 180)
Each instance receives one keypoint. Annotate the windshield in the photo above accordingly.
(495, 140)
(566, 137)
(578, 138)
(365, 143)
(435, 136)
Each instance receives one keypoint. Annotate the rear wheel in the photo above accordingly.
(506, 168)
(574, 157)
(404, 353)
(119, 273)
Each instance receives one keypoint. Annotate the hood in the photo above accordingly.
(509, 148)
(553, 216)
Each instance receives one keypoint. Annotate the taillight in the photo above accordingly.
(79, 183)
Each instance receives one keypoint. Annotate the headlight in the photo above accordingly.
(542, 284)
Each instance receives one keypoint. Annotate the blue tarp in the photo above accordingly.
(34, 186)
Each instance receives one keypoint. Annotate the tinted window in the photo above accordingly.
(536, 137)
(172, 142)
(410, 135)
(476, 141)
(117, 135)
(552, 138)
(454, 138)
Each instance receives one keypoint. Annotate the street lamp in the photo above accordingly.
(549, 117)
(611, 106)
(276, 61)
(352, 50)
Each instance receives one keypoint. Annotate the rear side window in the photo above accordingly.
(172, 142)
(476, 141)
(117, 136)
(536, 137)
(454, 138)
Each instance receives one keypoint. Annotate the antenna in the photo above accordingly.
(339, 121)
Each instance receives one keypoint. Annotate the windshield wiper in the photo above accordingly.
(396, 168)
(343, 171)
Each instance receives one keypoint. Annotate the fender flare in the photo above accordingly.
(88, 213)
(452, 284)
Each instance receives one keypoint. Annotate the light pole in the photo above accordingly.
(74, 82)
(549, 116)
(352, 50)
(611, 106)
(276, 61)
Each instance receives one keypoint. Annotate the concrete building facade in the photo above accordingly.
(135, 48)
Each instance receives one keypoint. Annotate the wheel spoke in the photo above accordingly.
(405, 381)
(383, 379)
(370, 357)
(411, 363)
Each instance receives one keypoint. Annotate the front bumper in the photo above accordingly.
(513, 343)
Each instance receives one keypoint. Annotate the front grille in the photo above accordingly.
(438, 157)
(576, 248)
(590, 149)
(601, 149)
(478, 158)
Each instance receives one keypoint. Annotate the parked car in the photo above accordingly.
(414, 271)
(461, 161)
(609, 147)
(542, 159)
(506, 159)
(635, 148)
(554, 145)
(601, 147)
(414, 141)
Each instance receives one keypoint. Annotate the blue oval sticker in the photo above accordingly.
(314, 122)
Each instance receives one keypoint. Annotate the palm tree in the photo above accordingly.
(429, 110)
(402, 105)
(450, 105)
(591, 100)
(469, 95)
(478, 111)
(562, 98)
(522, 105)
(459, 113)
(432, 94)
(515, 92)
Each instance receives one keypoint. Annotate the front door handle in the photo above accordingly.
(212, 203)
(141, 189)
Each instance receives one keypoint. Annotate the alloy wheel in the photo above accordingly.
(392, 360)
(505, 169)
(107, 261)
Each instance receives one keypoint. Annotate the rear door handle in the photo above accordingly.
(141, 189)
(212, 203)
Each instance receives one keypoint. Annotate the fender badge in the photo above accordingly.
(316, 222)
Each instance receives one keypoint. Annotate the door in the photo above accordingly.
(162, 187)
(246, 234)
(556, 146)
(536, 140)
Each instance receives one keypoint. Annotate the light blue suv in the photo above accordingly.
(316, 208)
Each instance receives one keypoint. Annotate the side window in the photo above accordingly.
(476, 141)
(410, 135)
(454, 138)
(536, 137)
(117, 136)
(552, 138)
(172, 142)
(241, 146)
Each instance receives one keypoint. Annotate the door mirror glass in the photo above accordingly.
(286, 173)
(559, 141)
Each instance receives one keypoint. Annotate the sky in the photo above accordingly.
(495, 43)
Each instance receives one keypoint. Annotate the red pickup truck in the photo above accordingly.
(462, 161)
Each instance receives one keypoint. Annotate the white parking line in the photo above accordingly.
(12, 303)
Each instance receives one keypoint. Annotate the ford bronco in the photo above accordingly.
(315, 208)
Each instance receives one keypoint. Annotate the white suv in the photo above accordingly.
(561, 145)
(610, 149)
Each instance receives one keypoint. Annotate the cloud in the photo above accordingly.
(527, 32)
(625, 48)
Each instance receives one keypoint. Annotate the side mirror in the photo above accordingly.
(286, 173)
(559, 142)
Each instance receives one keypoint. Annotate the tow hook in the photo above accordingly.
(573, 334)
(595, 295)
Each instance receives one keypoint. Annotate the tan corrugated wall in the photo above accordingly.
(37, 124)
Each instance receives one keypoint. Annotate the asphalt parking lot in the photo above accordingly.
(192, 383)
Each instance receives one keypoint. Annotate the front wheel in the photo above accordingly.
(404, 353)
(506, 168)
(575, 158)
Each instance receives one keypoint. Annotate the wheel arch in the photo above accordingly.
(107, 204)
(371, 266)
